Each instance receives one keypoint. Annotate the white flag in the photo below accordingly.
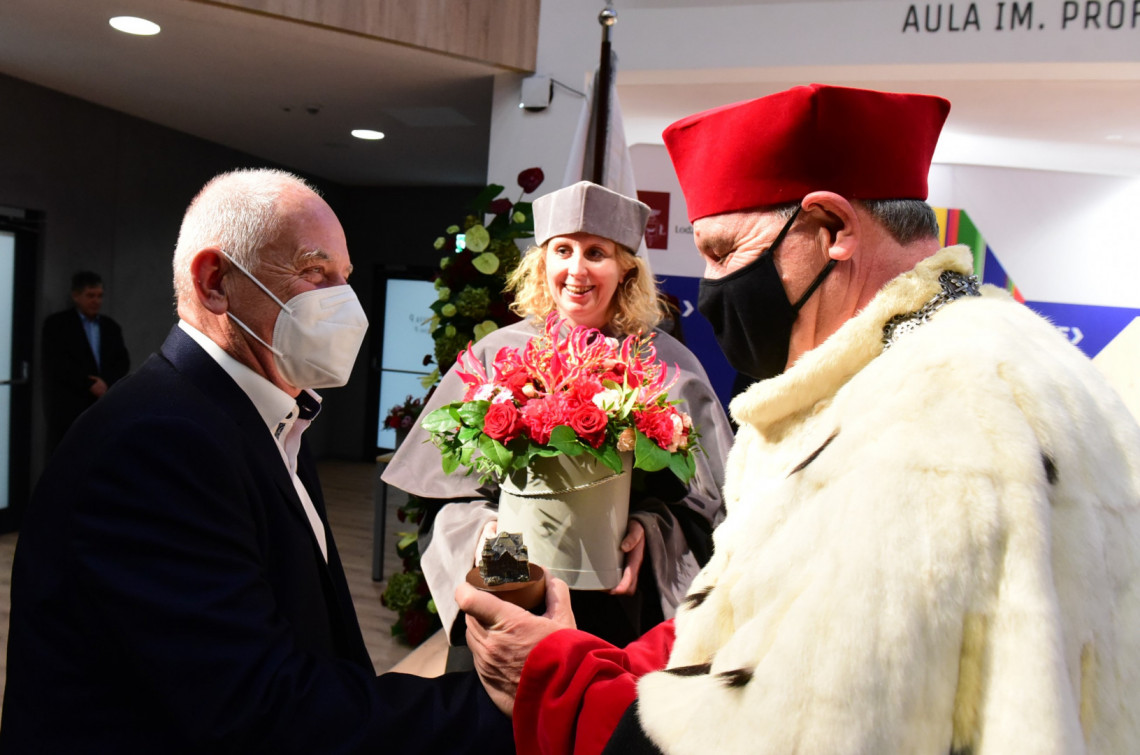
(618, 170)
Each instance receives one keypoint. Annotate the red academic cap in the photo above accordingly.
(858, 143)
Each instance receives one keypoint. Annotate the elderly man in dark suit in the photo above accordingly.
(176, 587)
(83, 356)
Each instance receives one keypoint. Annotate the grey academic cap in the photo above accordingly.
(586, 207)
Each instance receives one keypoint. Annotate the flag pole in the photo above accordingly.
(607, 18)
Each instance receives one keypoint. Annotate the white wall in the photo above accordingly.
(569, 41)
(1062, 237)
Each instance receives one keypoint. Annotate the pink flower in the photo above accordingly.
(541, 415)
(655, 424)
(585, 388)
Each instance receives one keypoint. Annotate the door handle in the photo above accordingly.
(22, 379)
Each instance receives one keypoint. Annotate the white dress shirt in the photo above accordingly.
(286, 418)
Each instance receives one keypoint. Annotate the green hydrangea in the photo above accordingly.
(448, 345)
(473, 302)
(401, 593)
(507, 252)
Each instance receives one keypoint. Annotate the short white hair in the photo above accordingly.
(238, 212)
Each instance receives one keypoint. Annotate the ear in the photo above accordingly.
(206, 273)
(840, 230)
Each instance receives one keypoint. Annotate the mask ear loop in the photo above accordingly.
(815, 284)
(269, 293)
(818, 279)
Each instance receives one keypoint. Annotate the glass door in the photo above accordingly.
(18, 236)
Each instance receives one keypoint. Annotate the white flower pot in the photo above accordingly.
(572, 512)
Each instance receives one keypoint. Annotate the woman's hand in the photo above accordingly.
(634, 546)
(490, 529)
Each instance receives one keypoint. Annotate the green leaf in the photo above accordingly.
(611, 458)
(440, 421)
(450, 463)
(486, 263)
(479, 204)
(679, 464)
(477, 238)
(472, 413)
(496, 452)
(566, 440)
(485, 328)
(648, 455)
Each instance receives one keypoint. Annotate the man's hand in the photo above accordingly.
(97, 387)
(634, 546)
(501, 635)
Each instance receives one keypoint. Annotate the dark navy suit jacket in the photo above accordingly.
(168, 595)
(67, 362)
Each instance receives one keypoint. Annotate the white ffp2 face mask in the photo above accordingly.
(317, 335)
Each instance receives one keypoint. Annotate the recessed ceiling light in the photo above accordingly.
(135, 25)
(367, 133)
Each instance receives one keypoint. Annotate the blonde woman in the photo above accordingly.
(585, 266)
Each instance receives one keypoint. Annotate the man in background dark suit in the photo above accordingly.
(176, 587)
(83, 356)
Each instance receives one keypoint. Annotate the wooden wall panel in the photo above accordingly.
(502, 33)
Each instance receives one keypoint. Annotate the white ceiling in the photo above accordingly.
(290, 93)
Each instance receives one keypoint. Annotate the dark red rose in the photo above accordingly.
(417, 624)
(401, 515)
(589, 422)
(530, 179)
(503, 422)
(500, 205)
(656, 425)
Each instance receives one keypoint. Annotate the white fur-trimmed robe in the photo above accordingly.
(928, 549)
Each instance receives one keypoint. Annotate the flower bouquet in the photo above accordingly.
(401, 417)
(559, 424)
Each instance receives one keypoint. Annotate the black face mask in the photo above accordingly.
(751, 315)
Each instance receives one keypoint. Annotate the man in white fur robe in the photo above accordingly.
(933, 532)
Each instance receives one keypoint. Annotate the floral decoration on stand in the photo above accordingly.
(568, 391)
(407, 592)
(479, 254)
(403, 416)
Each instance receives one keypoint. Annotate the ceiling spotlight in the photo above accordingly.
(367, 133)
(135, 25)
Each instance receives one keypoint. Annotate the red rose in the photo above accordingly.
(656, 425)
(500, 205)
(502, 422)
(541, 415)
(530, 179)
(589, 422)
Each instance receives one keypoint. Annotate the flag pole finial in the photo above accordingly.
(608, 16)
